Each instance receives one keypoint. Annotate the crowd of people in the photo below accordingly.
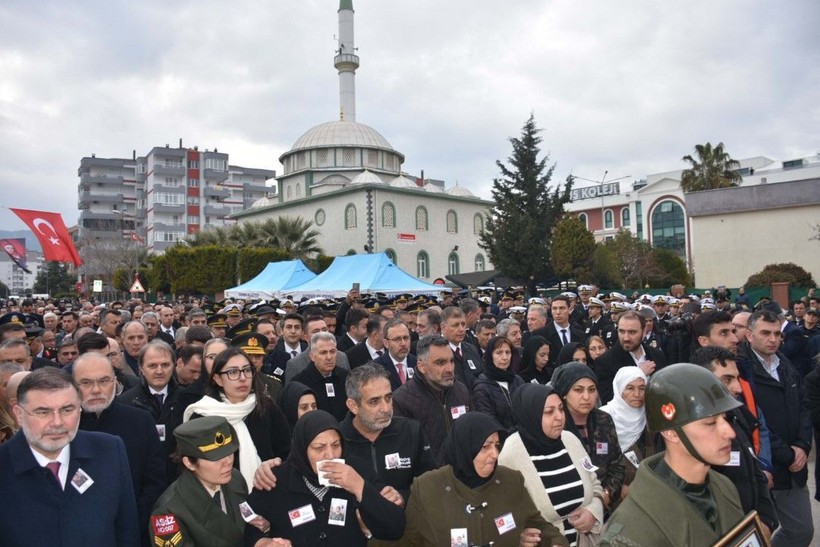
(470, 418)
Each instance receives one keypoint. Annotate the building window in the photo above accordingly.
(300, 160)
(479, 263)
(193, 219)
(608, 219)
(422, 265)
(348, 156)
(583, 218)
(452, 264)
(215, 164)
(669, 227)
(421, 218)
(321, 157)
(350, 217)
(625, 220)
(193, 164)
(639, 218)
(373, 158)
(388, 215)
(193, 183)
(452, 222)
(298, 190)
(319, 217)
(391, 254)
(478, 224)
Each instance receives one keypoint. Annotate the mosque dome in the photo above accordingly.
(460, 191)
(341, 133)
(262, 202)
(434, 188)
(402, 182)
(366, 177)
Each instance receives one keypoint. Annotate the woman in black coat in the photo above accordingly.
(493, 389)
(308, 513)
(535, 361)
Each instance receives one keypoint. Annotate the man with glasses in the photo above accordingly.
(397, 360)
(70, 488)
(94, 374)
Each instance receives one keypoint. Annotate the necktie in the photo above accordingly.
(402, 375)
(160, 398)
(564, 336)
(458, 353)
(218, 499)
(378, 353)
(294, 353)
(54, 467)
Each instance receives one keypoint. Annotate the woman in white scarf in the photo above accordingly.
(629, 414)
(236, 392)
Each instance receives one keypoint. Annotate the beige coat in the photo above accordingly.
(515, 456)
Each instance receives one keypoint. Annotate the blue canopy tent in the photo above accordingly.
(276, 278)
(374, 273)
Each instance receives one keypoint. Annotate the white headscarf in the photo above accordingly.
(630, 423)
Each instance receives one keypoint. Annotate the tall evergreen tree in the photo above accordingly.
(518, 230)
(54, 279)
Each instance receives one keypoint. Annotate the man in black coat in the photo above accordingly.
(780, 393)
(629, 351)
(290, 345)
(95, 376)
(323, 376)
(397, 360)
(467, 356)
(371, 347)
(560, 332)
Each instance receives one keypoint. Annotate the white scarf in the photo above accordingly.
(235, 413)
(630, 423)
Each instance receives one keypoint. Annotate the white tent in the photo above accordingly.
(277, 278)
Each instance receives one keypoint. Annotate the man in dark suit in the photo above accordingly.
(323, 376)
(62, 486)
(355, 329)
(560, 332)
(290, 345)
(466, 356)
(397, 360)
(94, 374)
(629, 351)
(372, 347)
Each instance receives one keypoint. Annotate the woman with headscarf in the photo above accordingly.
(596, 347)
(236, 392)
(473, 501)
(557, 470)
(342, 508)
(534, 361)
(573, 352)
(629, 414)
(577, 385)
(497, 382)
(296, 399)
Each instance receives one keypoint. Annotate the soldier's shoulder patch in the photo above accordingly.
(166, 530)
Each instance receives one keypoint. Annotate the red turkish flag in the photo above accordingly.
(52, 235)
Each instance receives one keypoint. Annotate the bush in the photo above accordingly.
(781, 273)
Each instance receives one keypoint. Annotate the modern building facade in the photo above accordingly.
(347, 178)
(159, 198)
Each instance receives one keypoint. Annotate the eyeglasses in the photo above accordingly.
(211, 356)
(235, 373)
(112, 354)
(398, 339)
(102, 382)
(46, 413)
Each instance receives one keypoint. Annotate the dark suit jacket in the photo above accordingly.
(37, 512)
(344, 343)
(794, 348)
(359, 355)
(615, 358)
(464, 372)
(387, 363)
(318, 383)
(277, 360)
(167, 338)
(146, 458)
(552, 337)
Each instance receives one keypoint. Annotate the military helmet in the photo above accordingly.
(683, 393)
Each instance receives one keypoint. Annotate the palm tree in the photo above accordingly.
(714, 168)
(294, 235)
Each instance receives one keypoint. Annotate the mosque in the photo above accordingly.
(347, 178)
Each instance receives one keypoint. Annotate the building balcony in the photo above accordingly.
(162, 208)
(211, 174)
(161, 169)
(217, 211)
(255, 188)
(169, 189)
(102, 180)
(218, 193)
(92, 198)
(346, 61)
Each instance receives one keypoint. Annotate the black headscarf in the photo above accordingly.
(567, 374)
(289, 400)
(528, 369)
(490, 370)
(528, 408)
(468, 435)
(305, 430)
(567, 352)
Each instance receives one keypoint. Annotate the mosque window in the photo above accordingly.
(583, 218)
(372, 158)
(388, 215)
(421, 218)
(300, 160)
(350, 217)
(452, 264)
(608, 219)
(668, 227)
(625, 220)
(321, 157)
(391, 254)
(452, 222)
(422, 265)
(479, 262)
(348, 156)
(478, 224)
(298, 190)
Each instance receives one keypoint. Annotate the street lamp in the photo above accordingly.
(600, 184)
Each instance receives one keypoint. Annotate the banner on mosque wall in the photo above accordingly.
(590, 192)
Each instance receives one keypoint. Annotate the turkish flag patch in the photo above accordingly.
(164, 525)
(668, 411)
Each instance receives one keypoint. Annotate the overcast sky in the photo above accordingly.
(626, 87)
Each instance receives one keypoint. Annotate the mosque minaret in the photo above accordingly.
(346, 62)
